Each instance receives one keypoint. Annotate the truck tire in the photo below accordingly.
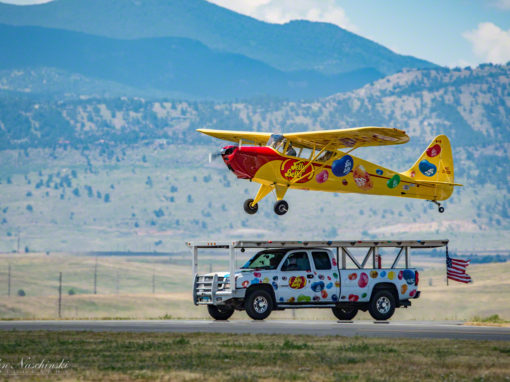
(259, 304)
(382, 305)
(220, 312)
(344, 313)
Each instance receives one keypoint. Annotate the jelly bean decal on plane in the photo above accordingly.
(434, 151)
(427, 168)
(322, 176)
(362, 178)
(341, 167)
(394, 181)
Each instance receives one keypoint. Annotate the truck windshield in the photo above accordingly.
(265, 260)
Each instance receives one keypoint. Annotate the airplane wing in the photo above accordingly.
(356, 137)
(236, 136)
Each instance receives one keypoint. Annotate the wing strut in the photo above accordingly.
(299, 175)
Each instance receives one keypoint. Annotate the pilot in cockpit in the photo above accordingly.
(290, 150)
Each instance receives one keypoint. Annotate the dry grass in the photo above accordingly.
(38, 275)
(209, 357)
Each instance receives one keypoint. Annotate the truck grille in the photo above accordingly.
(205, 288)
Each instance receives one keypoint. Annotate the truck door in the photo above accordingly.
(295, 278)
(325, 285)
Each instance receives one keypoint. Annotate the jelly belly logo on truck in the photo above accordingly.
(292, 168)
(298, 282)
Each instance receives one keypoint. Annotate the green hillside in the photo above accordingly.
(155, 196)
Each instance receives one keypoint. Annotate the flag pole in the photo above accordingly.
(446, 264)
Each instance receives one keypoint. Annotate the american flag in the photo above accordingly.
(456, 269)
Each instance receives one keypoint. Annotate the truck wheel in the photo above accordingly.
(259, 304)
(382, 305)
(220, 312)
(343, 313)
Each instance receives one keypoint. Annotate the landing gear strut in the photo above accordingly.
(439, 207)
(250, 208)
(281, 207)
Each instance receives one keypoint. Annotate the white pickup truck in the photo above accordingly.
(313, 274)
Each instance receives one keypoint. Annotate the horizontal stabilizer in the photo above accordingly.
(440, 183)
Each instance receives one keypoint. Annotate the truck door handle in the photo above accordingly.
(309, 276)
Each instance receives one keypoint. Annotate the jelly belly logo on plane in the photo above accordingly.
(296, 169)
(298, 282)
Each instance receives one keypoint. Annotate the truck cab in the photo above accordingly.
(288, 275)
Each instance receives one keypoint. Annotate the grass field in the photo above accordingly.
(37, 275)
(209, 357)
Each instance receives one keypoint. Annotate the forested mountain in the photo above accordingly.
(469, 105)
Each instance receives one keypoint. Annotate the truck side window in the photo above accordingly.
(297, 261)
(321, 260)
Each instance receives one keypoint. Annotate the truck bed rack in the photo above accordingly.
(319, 244)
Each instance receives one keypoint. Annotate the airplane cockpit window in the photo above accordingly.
(325, 156)
(277, 142)
(305, 153)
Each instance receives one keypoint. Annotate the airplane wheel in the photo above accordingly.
(441, 209)
(281, 207)
(249, 208)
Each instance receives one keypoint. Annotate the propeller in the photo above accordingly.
(214, 156)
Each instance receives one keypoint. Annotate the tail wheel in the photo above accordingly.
(249, 207)
(259, 304)
(344, 313)
(281, 207)
(441, 209)
(220, 312)
(382, 305)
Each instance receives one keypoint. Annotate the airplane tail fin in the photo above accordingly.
(435, 165)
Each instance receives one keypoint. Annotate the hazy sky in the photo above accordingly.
(447, 32)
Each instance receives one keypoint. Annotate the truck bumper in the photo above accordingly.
(213, 290)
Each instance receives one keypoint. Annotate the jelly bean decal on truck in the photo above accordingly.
(298, 282)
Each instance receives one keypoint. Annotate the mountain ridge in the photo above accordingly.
(297, 45)
(173, 64)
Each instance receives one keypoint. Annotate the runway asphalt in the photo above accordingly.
(395, 329)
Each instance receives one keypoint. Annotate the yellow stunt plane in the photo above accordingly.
(322, 161)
